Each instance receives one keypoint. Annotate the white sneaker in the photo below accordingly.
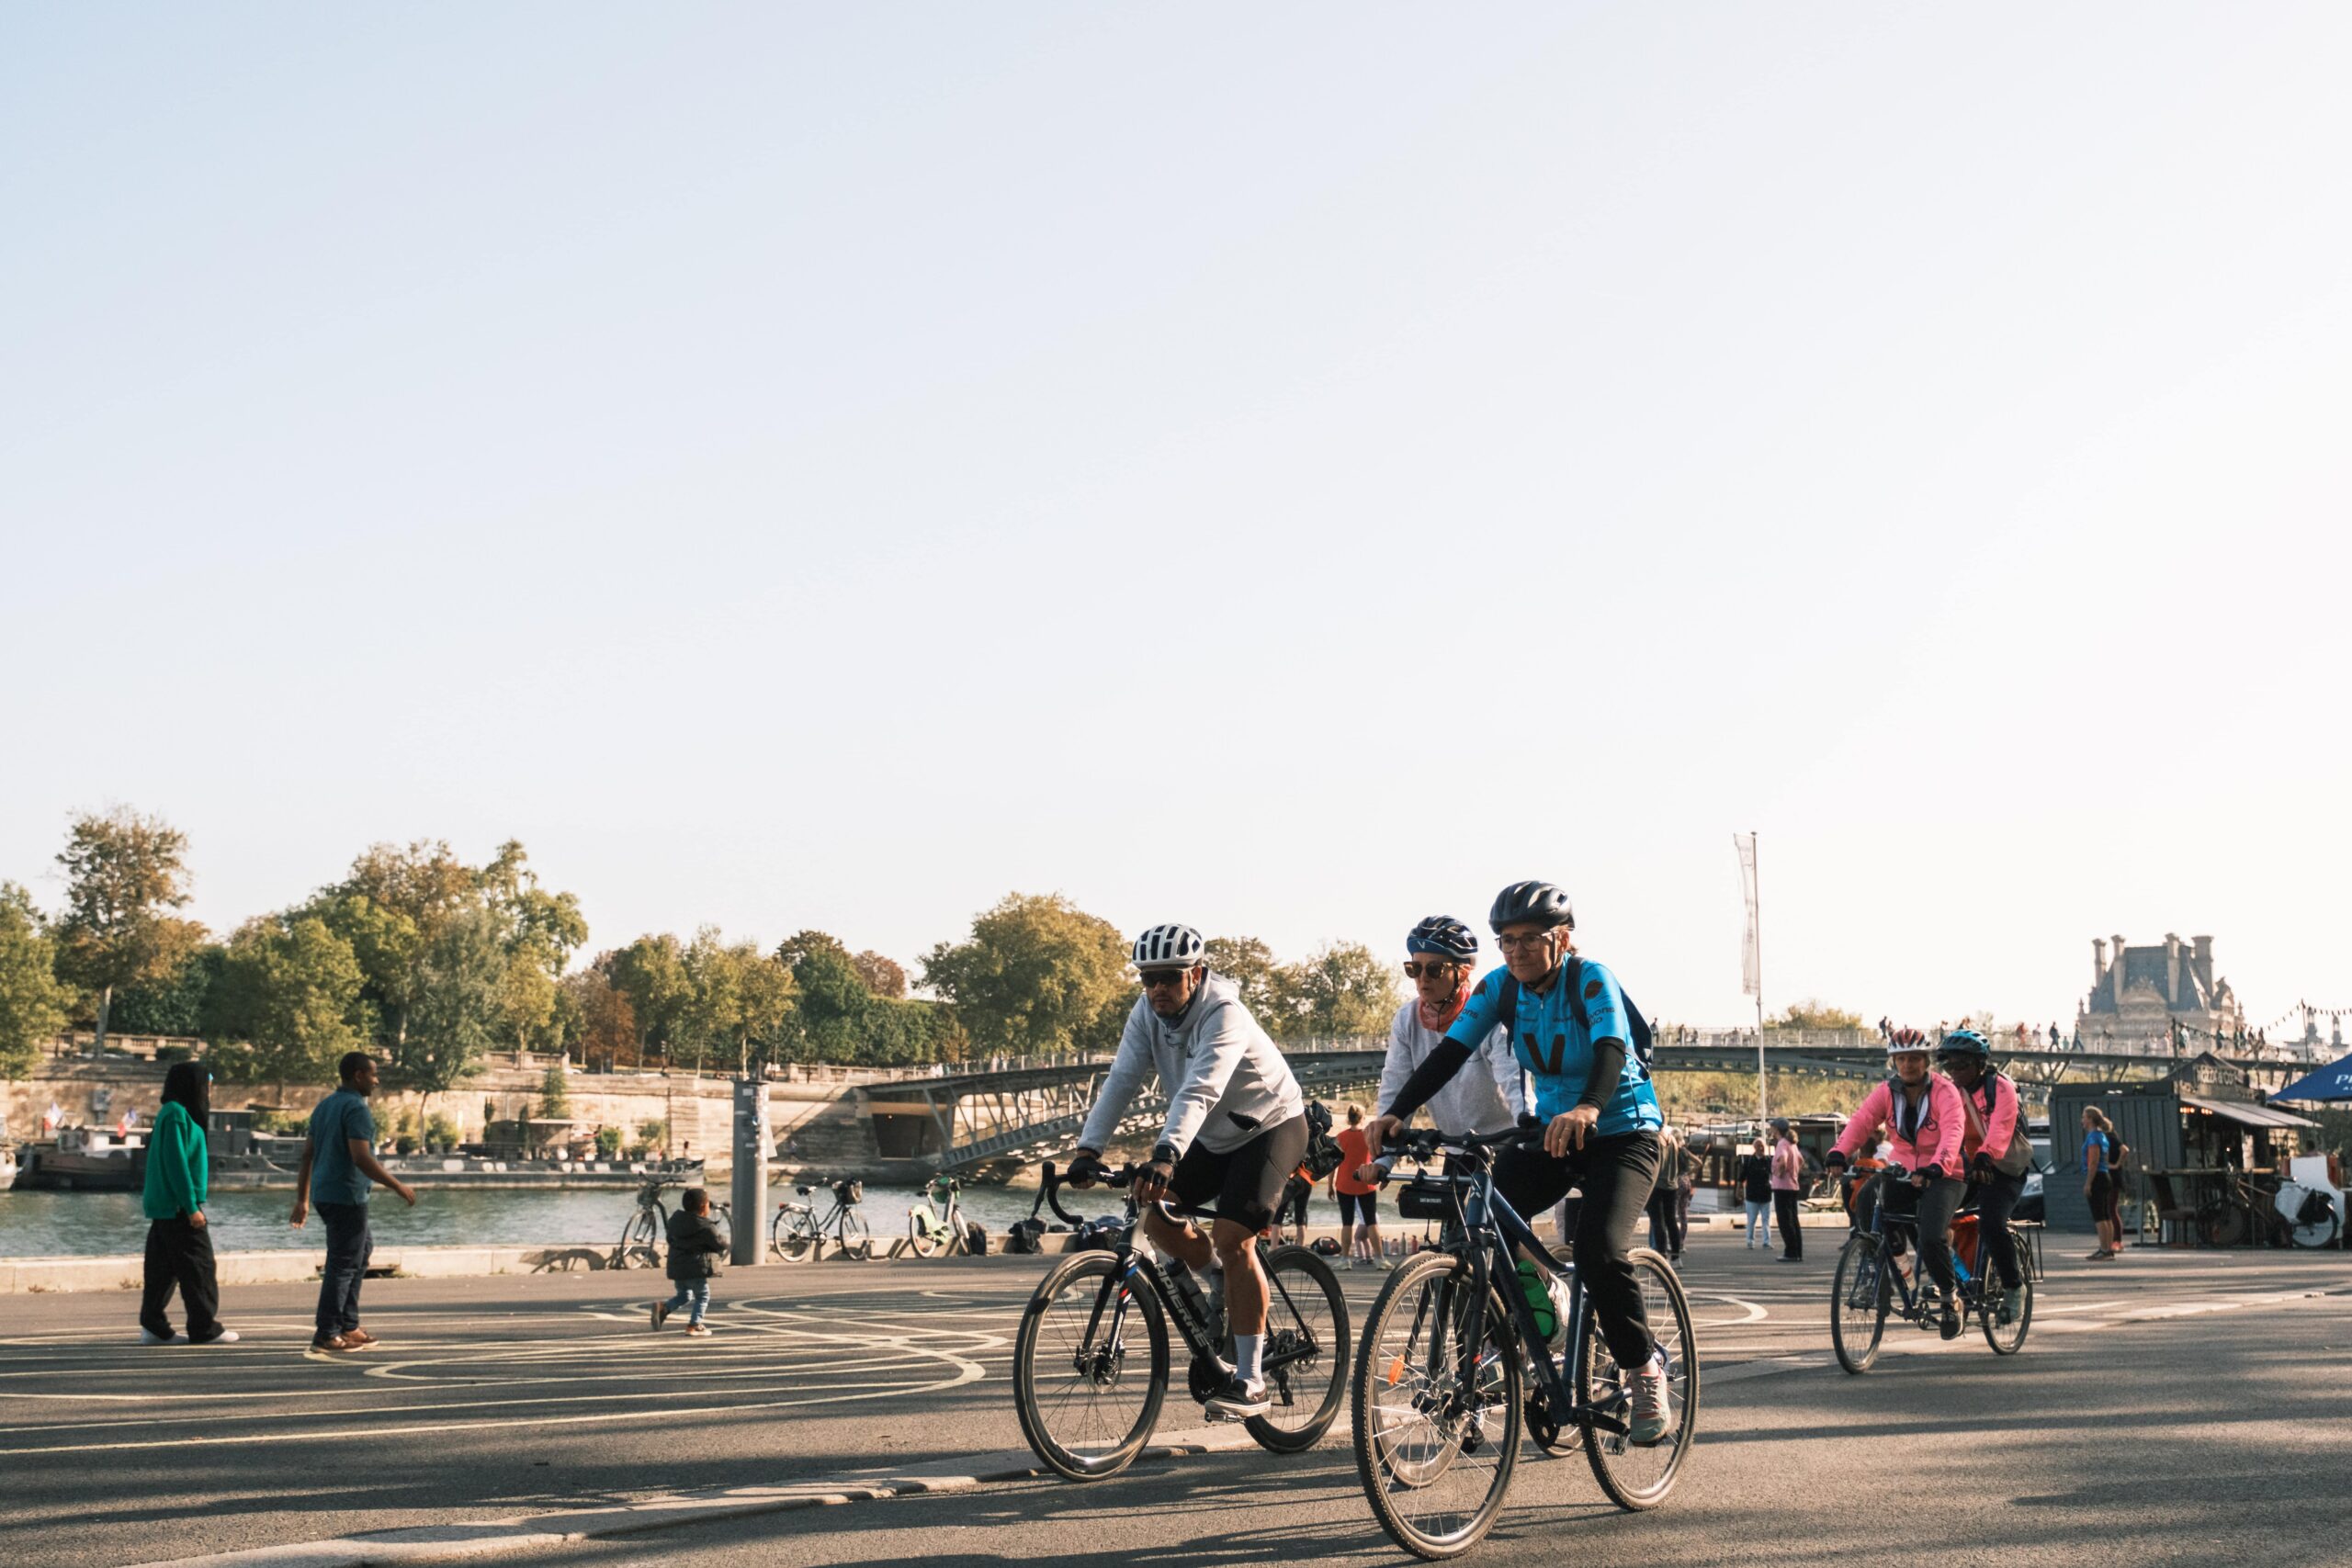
(148, 1337)
(226, 1337)
(1650, 1404)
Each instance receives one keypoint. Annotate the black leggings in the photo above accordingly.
(1995, 1200)
(1616, 1175)
(1666, 1221)
(1933, 1206)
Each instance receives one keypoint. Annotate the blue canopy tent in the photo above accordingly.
(2333, 1081)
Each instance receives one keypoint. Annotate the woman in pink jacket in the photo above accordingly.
(1921, 1111)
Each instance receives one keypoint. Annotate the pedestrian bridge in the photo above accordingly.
(1018, 1110)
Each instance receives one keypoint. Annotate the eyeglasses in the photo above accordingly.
(1527, 944)
(1433, 968)
(1156, 979)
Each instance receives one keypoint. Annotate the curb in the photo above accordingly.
(458, 1544)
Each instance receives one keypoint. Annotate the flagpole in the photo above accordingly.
(1763, 1100)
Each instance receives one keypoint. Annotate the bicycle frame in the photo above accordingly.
(1966, 1286)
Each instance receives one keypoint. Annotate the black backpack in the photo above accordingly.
(1323, 1155)
(1573, 977)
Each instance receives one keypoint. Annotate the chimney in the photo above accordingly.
(2098, 962)
(2172, 970)
(2204, 961)
(2115, 969)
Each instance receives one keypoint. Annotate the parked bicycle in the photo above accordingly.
(1091, 1361)
(936, 1225)
(796, 1234)
(1871, 1284)
(647, 1231)
(1453, 1365)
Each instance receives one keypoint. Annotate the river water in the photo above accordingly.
(67, 1224)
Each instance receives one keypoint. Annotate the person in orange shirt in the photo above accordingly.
(1358, 1199)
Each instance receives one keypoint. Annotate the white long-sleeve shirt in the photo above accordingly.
(1226, 1081)
(1487, 1096)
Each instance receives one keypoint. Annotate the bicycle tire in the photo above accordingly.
(793, 1235)
(1856, 1327)
(1638, 1478)
(2007, 1341)
(1417, 1295)
(641, 1235)
(924, 1234)
(854, 1237)
(1302, 1287)
(1076, 1284)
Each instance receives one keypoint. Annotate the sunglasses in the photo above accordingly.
(1158, 979)
(1432, 968)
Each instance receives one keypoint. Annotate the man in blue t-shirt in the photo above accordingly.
(337, 1166)
(1600, 1115)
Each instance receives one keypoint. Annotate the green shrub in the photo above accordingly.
(609, 1142)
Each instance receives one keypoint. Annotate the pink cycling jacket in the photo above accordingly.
(1943, 1123)
(1993, 1131)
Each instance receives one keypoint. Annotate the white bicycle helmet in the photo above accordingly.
(1169, 947)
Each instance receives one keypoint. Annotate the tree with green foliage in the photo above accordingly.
(1037, 974)
(1248, 964)
(1342, 990)
(287, 1003)
(651, 972)
(555, 1094)
(455, 1004)
(175, 1003)
(1815, 1014)
(594, 1022)
(124, 874)
(883, 977)
(33, 1006)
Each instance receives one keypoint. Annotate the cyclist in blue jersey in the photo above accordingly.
(1572, 1029)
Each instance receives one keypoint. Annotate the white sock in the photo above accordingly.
(1250, 1357)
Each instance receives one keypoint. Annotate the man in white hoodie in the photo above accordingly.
(1235, 1130)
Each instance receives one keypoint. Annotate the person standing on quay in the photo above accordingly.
(337, 1166)
(1755, 1192)
(179, 1238)
(1788, 1173)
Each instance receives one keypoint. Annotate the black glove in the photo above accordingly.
(1158, 1170)
(1981, 1167)
(1932, 1173)
(1529, 1122)
(1087, 1168)
(1835, 1160)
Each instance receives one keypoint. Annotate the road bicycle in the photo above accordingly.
(796, 1234)
(1090, 1362)
(1871, 1284)
(647, 1229)
(1455, 1365)
(936, 1225)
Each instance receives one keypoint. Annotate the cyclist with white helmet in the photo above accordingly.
(1236, 1131)
(1440, 959)
(1921, 1111)
(1571, 1026)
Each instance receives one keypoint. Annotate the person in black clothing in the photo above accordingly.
(1755, 1192)
(1666, 1227)
(695, 1247)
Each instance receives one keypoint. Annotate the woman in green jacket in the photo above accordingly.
(179, 1240)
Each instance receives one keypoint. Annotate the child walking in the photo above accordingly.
(695, 1247)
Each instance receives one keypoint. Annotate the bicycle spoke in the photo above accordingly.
(1437, 1418)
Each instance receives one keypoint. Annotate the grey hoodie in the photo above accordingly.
(1225, 1080)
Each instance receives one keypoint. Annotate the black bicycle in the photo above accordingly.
(1871, 1280)
(1455, 1362)
(797, 1232)
(1091, 1361)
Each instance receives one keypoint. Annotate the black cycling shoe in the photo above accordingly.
(1240, 1400)
(1949, 1324)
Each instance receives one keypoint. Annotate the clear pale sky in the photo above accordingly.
(1289, 470)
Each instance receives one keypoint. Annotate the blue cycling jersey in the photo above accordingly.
(1552, 1045)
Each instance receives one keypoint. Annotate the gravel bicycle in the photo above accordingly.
(1453, 1366)
(1871, 1280)
(647, 1229)
(936, 1225)
(1090, 1362)
(797, 1232)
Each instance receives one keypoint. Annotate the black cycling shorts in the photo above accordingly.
(1244, 1185)
(1294, 1197)
(1360, 1207)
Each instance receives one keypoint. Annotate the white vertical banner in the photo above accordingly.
(1751, 949)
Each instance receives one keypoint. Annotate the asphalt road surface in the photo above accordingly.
(2174, 1407)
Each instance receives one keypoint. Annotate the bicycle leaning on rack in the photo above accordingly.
(935, 1224)
(1091, 1361)
(797, 1232)
(1870, 1281)
(647, 1231)
(1454, 1363)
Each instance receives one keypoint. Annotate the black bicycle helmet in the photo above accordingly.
(1532, 903)
(1442, 936)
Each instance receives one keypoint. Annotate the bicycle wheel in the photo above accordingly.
(1637, 1477)
(856, 1240)
(1858, 1303)
(1437, 1419)
(640, 1241)
(1306, 1351)
(1085, 1404)
(792, 1233)
(2007, 1340)
(923, 1233)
